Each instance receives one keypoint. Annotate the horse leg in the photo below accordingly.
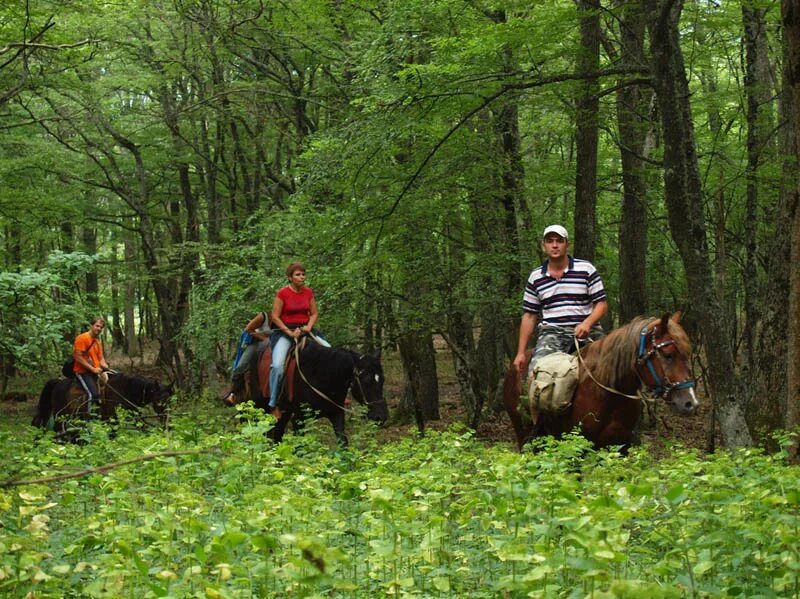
(276, 432)
(512, 389)
(337, 420)
(108, 413)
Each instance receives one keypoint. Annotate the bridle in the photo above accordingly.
(662, 388)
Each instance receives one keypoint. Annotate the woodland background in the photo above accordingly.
(163, 161)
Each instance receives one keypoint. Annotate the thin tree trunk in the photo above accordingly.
(129, 299)
(91, 281)
(633, 103)
(790, 13)
(421, 390)
(116, 318)
(586, 136)
(758, 95)
(765, 306)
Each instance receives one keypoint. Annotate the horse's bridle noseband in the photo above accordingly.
(662, 388)
(357, 372)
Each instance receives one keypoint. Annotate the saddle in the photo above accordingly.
(258, 374)
(259, 370)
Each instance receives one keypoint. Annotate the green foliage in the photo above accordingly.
(441, 516)
(34, 321)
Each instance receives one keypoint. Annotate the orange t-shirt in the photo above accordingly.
(86, 344)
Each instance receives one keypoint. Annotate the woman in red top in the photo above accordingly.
(294, 312)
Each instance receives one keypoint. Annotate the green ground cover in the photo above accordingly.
(443, 516)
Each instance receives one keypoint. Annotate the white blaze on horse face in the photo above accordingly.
(685, 401)
(377, 378)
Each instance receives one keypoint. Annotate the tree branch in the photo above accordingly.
(151, 456)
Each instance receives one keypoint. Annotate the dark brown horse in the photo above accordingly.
(647, 352)
(63, 401)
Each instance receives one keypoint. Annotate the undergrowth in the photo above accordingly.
(441, 516)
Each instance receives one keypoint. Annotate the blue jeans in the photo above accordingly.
(281, 345)
(244, 360)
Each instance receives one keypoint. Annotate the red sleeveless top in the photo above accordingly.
(296, 306)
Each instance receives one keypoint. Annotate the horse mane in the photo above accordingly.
(613, 357)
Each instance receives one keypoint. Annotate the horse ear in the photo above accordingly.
(676, 317)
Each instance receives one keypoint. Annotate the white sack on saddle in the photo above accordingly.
(552, 382)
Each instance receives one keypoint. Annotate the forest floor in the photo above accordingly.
(496, 428)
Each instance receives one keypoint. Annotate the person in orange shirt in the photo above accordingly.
(90, 364)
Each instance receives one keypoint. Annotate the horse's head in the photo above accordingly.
(158, 395)
(368, 387)
(663, 363)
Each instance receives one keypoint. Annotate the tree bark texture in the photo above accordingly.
(633, 107)
(684, 199)
(790, 13)
(421, 390)
(586, 136)
(758, 94)
(767, 408)
(131, 345)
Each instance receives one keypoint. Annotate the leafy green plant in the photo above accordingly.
(442, 516)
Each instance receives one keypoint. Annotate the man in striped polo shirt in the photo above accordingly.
(564, 298)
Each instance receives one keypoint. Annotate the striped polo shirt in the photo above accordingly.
(566, 301)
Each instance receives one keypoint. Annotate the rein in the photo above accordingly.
(126, 400)
(317, 391)
(598, 383)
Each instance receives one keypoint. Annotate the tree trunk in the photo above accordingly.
(117, 334)
(766, 321)
(684, 199)
(790, 13)
(421, 391)
(758, 96)
(633, 107)
(459, 337)
(586, 135)
(129, 301)
(90, 247)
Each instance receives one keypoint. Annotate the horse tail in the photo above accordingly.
(512, 389)
(45, 407)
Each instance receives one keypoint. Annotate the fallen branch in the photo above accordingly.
(151, 456)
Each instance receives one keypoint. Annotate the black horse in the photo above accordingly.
(63, 400)
(320, 377)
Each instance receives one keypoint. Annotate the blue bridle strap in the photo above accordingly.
(646, 357)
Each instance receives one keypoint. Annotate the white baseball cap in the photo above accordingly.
(557, 229)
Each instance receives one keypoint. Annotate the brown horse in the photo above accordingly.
(64, 402)
(646, 352)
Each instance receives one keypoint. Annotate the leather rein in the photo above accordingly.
(356, 374)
